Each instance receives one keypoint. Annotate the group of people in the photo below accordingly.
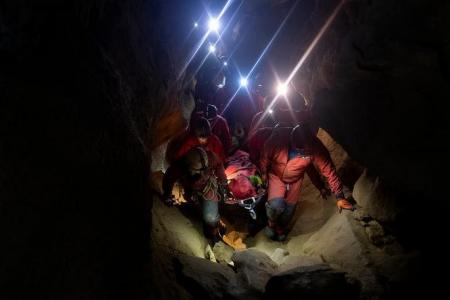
(282, 144)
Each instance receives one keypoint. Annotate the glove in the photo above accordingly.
(324, 193)
(344, 204)
(169, 200)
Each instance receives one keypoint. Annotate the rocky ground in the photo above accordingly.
(326, 253)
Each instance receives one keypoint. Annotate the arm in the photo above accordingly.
(326, 167)
(323, 160)
(315, 177)
(218, 168)
(170, 177)
(265, 158)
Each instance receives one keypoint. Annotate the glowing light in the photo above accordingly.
(282, 89)
(273, 37)
(225, 63)
(316, 40)
(212, 48)
(195, 24)
(244, 82)
(270, 111)
(200, 44)
(213, 25)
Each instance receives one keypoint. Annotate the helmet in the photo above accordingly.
(196, 161)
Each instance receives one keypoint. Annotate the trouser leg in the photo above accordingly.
(211, 219)
(274, 209)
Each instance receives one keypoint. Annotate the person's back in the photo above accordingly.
(202, 176)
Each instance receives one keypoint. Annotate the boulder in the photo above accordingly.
(311, 282)
(223, 252)
(376, 200)
(279, 255)
(203, 278)
(254, 268)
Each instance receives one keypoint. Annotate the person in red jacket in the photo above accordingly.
(285, 158)
(202, 176)
(201, 135)
(219, 126)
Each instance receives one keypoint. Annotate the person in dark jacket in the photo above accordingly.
(202, 177)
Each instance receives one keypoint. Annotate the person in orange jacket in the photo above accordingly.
(201, 135)
(286, 156)
(219, 126)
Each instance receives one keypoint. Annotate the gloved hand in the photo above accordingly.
(324, 193)
(343, 203)
(169, 200)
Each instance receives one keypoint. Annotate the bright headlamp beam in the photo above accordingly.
(273, 37)
(200, 43)
(212, 48)
(213, 25)
(282, 89)
(243, 82)
(305, 55)
(315, 41)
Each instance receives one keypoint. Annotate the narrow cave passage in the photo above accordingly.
(97, 101)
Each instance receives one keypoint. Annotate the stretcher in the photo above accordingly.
(244, 183)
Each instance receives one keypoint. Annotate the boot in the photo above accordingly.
(269, 230)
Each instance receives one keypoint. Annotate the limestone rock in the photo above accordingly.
(279, 255)
(375, 232)
(376, 201)
(254, 268)
(223, 252)
(202, 278)
(311, 282)
(295, 261)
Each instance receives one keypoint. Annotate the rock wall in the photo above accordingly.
(82, 84)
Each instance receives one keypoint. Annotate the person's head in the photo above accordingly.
(202, 130)
(211, 111)
(196, 161)
(300, 136)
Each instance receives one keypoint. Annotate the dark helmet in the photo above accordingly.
(211, 111)
(196, 160)
(201, 128)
